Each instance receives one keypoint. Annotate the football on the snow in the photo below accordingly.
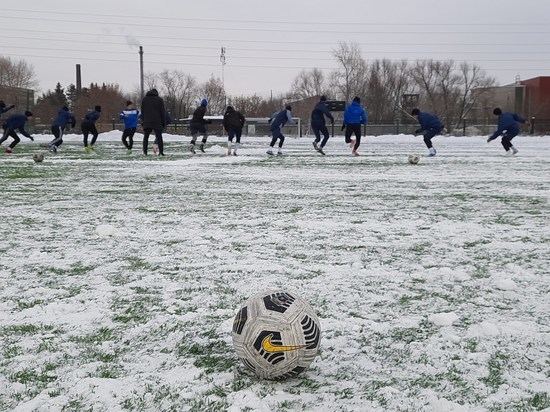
(276, 334)
(38, 157)
(414, 159)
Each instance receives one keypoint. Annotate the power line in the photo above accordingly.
(424, 49)
(256, 57)
(252, 66)
(225, 40)
(278, 30)
(278, 22)
(423, 45)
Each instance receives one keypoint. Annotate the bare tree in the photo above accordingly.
(439, 86)
(308, 83)
(150, 81)
(178, 89)
(350, 79)
(214, 92)
(17, 73)
(249, 106)
(474, 84)
(386, 82)
(447, 89)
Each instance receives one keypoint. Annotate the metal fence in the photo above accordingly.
(262, 128)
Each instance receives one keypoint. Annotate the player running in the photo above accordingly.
(278, 120)
(354, 117)
(58, 126)
(508, 128)
(318, 124)
(13, 123)
(429, 124)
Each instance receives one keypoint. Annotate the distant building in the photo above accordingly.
(23, 99)
(529, 98)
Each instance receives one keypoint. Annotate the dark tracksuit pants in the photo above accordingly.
(58, 136)
(507, 139)
(429, 135)
(10, 133)
(353, 129)
(317, 130)
(128, 137)
(277, 134)
(88, 128)
(234, 132)
(158, 139)
(196, 129)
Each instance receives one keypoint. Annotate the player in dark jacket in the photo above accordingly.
(59, 124)
(429, 124)
(130, 115)
(13, 123)
(198, 125)
(278, 121)
(508, 128)
(354, 117)
(233, 123)
(88, 126)
(154, 119)
(318, 124)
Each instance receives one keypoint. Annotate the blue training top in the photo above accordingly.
(130, 117)
(355, 114)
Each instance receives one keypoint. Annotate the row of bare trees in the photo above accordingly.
(443, 87)
(182, 93)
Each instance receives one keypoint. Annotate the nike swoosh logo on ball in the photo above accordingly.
(269, 347)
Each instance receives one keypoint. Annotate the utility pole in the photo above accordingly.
(141, 70)
(222, 61)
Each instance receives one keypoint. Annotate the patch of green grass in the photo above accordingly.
(30, 376)
(28, 329)
(421, 248)
(137, 263)
(206, 405)
(475, 243)
(103, 334)
(497, 362)
(10, 351)
(77, 269)
(211, 357)
(471, 344)
(540, 401)
(22, 305)
(407, 299)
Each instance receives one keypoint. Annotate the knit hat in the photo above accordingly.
(497, 111)
(288, 107)
(204, 102)
(357, 99)
(28, 114)
(97, 108)
(415, 112)
(323, 98)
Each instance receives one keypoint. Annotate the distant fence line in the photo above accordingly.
(260, 127)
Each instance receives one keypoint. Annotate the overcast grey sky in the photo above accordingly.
(268, 42)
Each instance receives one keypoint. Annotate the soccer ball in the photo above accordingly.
(276, 334)
(414, 159)
(38, 157)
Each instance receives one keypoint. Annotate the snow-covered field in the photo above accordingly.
(120, 275)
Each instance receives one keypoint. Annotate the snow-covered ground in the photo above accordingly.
(120, 275)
